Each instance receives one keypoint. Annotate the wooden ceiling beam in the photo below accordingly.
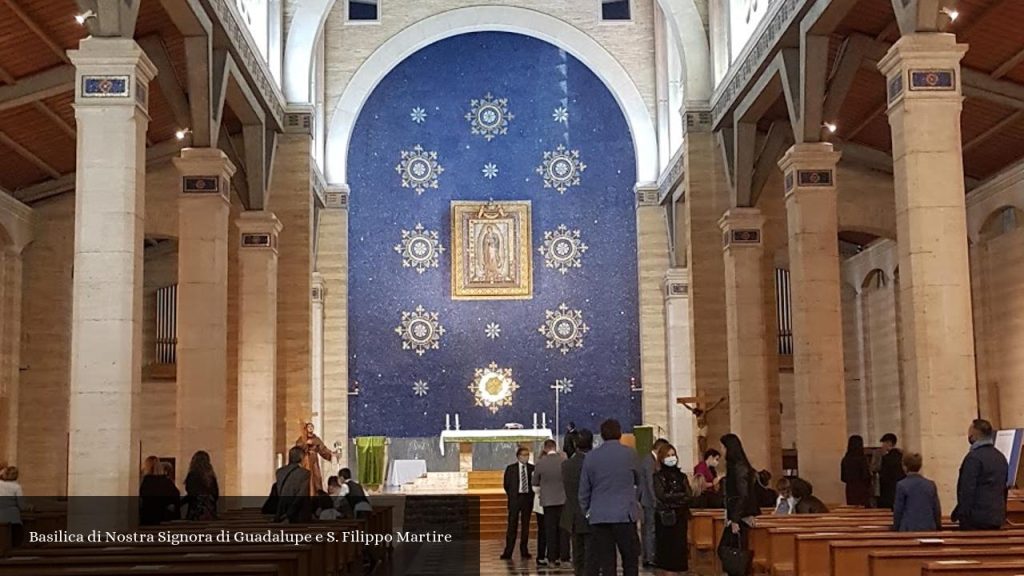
(6, 77)
(980, 138)
(170, 88)
(28, 155)
(64, 126)
(1009, 65)
(37, 30)
(866, 121)
(42, 85)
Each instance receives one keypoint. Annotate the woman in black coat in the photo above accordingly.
(201, 490)
(741, 504)
(855, 472)
(672, 496)
(158, 496)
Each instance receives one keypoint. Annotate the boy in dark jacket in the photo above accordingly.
(917, 507)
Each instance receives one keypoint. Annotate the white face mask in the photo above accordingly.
(671, 461)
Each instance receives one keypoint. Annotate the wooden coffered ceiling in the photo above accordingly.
(992, 122)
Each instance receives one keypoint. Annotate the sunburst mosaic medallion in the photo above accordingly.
(492, 387)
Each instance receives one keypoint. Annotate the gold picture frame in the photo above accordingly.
(491, 257)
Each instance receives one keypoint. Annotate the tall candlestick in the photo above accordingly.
(447, 421)
(457, 427)
(544, 420)
(534, 420)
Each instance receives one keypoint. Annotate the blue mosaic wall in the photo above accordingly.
(523, 98)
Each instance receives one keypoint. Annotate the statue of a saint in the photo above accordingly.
(314, 450)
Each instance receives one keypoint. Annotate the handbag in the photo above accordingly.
(735, 559)
(667, 517)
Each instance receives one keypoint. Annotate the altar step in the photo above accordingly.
(437, 482)
(486, 480)
(494, 518)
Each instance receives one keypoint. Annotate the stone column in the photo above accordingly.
(653, 259)
(257, 350)
(332, 264)
(707, 198)
(203, 210)
(10, 349)
(111, 101)
(747, 340)
(923, 80)
(317, 352)
(809, 172)
(682, 431)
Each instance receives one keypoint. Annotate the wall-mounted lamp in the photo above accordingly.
(81, 18)
(952, 13)
(180, 134)
(830, 126)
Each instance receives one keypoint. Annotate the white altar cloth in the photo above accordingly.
(405, 471)
(503, 435)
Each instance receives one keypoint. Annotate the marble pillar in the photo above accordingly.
(10, 349)
(810, 185)
(653, 259)
(111, 113)
(317, 351)
(203, 210)
(923, 78)
(746, 329)
(332, 264)
(257, 350)
(682, 430)
(707, 198)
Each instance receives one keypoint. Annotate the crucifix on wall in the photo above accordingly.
(700, 411)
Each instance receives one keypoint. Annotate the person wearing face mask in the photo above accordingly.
(981, 488)
(672, 495)
(518, 484)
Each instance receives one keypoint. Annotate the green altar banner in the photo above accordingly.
(370, 457)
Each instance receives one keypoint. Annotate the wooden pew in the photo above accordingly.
(850, 557)
(910, 562)
(760, 534)
(813, 556)
(782, 544)
(973, 568)
(285, 564)
(220, 569)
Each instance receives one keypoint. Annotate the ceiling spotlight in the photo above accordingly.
(831, 127)
(180, 134)
(952, 13)
(81, 18)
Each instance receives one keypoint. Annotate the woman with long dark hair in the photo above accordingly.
(741, 504)
(201, 490)
(855, 472)
(672, 495)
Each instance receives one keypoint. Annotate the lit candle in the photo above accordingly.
(534, 420)
(457, 427)
(544, 420)
(447, 421)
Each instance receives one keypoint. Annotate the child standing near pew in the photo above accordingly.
(917, 507)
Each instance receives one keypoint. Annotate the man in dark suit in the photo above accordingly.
(573, 519)
(981, 488)
(648, 465)
(293, 502)
(609, 496)
(518, 484)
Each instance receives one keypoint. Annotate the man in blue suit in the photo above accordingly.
(609, 496)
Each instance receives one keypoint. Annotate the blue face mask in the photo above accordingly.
(671, 461)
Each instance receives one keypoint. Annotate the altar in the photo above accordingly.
(466, 438)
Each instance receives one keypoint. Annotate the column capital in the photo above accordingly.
(742, 227)
(336, 196)
(677, 283)
(696, 116)
(111, 72)
(317, 294)
(923, 66)
(205, 172)
(646, 194)
(258, 230)
(809, 166)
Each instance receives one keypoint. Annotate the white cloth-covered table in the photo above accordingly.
(503, 435)
(405, 471)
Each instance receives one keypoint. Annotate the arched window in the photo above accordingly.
(1002, 221)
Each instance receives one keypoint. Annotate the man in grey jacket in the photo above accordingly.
(292, 485)
(547, 475)
(648, 465)
(609, 495)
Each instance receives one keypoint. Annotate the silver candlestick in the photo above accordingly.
(561, 386)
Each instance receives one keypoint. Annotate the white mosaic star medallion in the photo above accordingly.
(418, 115)
(492, 387)
(561, 115)
(563, 328)
(493, 330)
(420, 249)
(489, 116)
(490, 170)
(419, 169)
(563, 385)
(561, 168)
(562, 249)
(420, 331)
(420, 388)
